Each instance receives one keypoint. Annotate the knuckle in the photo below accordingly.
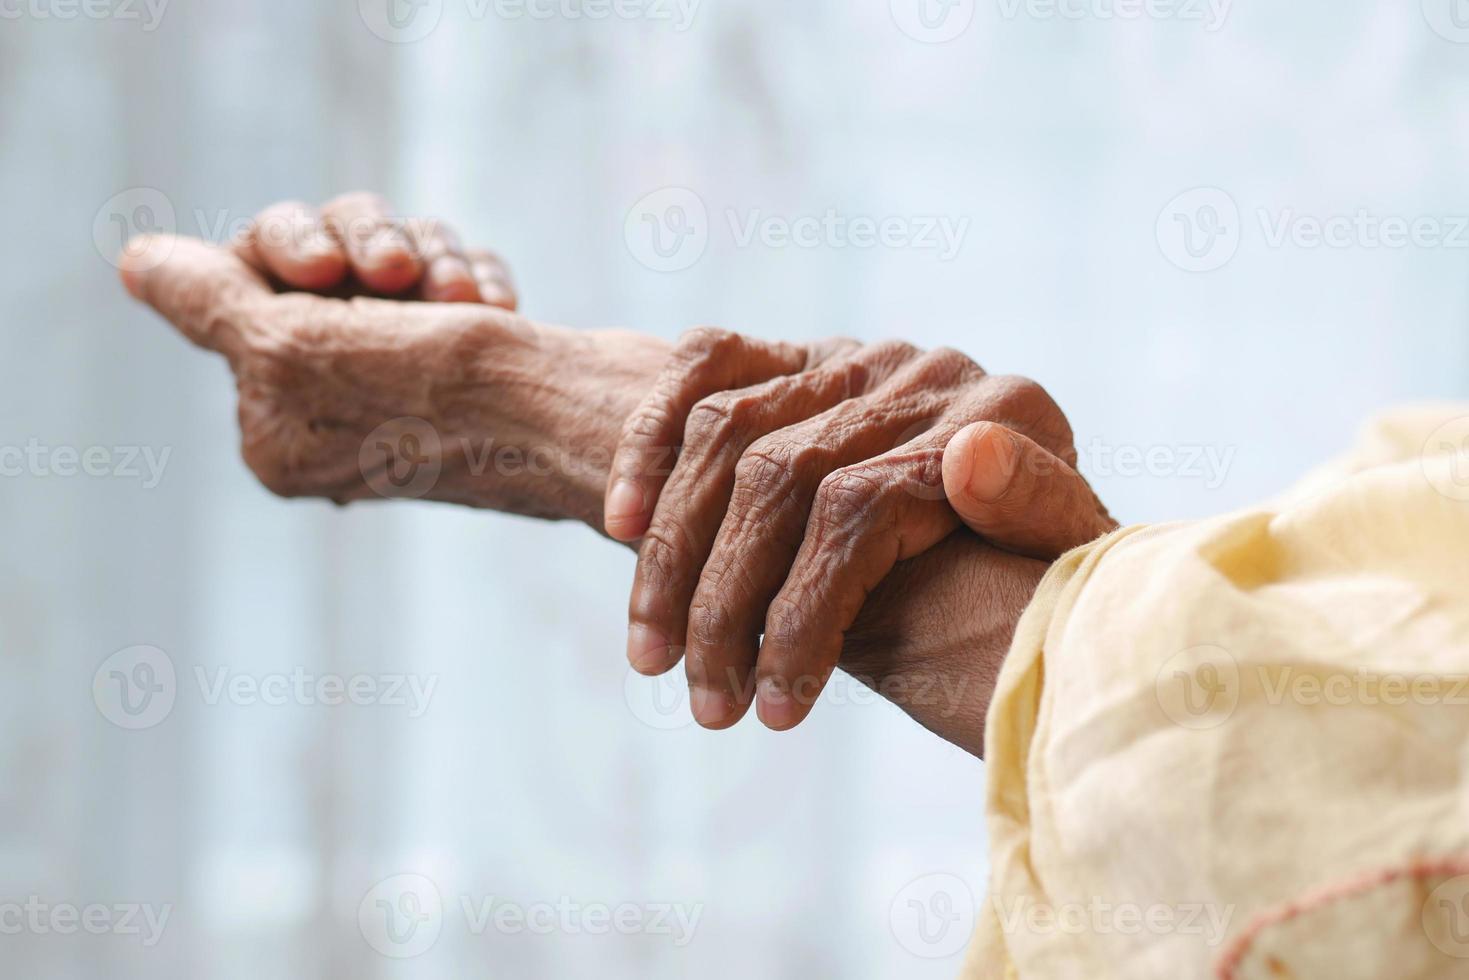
(895, 350)
(1019, 389)
(847, 497)
(700, 349)
(717, 419)
(643, 448)
(829, 349)
(1029, 407)
(786, 623)
(950, 365)
(767, 481)
(768, 468)
(702, 341)
(933, 374)
(648, 422)
(663, 553)
(710, 624)
(281, 224)
(926, 479)
(867, 366)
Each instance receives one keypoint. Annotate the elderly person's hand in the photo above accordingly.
(774, 486)
(336, 395)
(343, 398)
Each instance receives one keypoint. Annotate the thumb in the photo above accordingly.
(202, 289)
(1019, 496)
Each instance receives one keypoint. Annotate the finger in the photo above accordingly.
(496, 287)
(1019, 496)
(775, 484)
(691, 507)
(383, 257)
(203, 290)
(705, 361)
(290, 242)
(865, 519)
(447, 276)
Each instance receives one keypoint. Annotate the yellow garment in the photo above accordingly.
(1239, 747)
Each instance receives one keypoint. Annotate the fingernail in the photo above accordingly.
(496, 293)
(711, 708)
(993, 452)
(387, 251)
(449, 280)
(315, 247)
(647, 650)
(775, 706)
(625, 502)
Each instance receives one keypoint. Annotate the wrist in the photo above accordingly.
(529, 414)
(924, 643)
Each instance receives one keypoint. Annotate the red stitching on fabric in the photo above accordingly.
(1229, 963)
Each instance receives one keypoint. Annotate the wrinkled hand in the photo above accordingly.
(355, 245)
(339, 398)
(321, 379)
(774, 486)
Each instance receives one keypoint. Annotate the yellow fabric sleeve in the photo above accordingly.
(1239, 747)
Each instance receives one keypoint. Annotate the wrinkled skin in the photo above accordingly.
(806, 484)
(806, 473)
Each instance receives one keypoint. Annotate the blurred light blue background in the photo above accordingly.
(1091, 160)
